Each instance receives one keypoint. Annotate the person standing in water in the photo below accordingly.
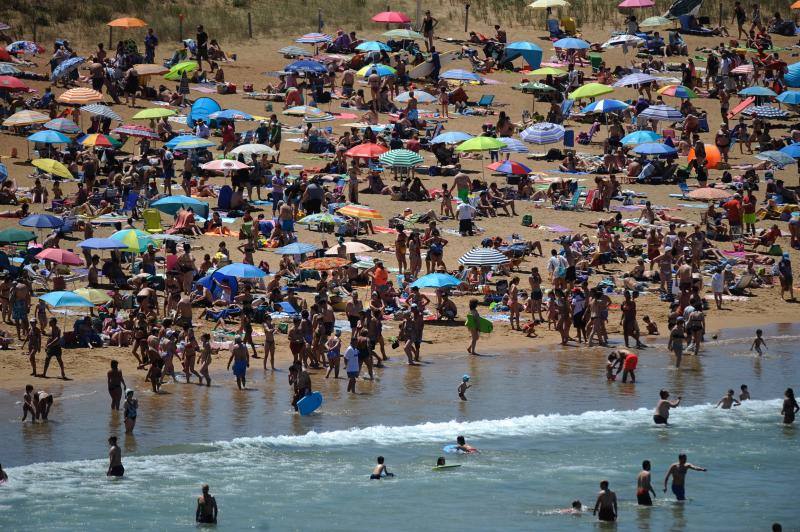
(240, 357)
(463, 387)
(130, 409)
(790, 407)
(661, 415)
(644, 487)
(728, 401)
(745, 393)
(115, 468)
(115, 384)
(605, 508)
(474, 332)
(678, 472)
(207, 511)
(676, 338)
(758, 343)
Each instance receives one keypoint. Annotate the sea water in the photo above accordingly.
(548, 425)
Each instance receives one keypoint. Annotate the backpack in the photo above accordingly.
(527, 220)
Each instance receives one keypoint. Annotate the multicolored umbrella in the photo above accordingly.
(53, 167)
(324, 263)
(360, 211)
(366, 151)
(136, 240)
(63, 125)
(60, 256)
(678, 91)
(98, 140)
(25, 118)
(401, 158)
(65, 299)
(509, 167)
(376, 68)
(80, 96)
(25, 47)
(542, 133)
(101, 110)
(605, 106)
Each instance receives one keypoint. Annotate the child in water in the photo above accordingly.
(380, 470)
(652, 328)
(758, 343)
(728, 401)
(612, 362)
(745, 395)
(463, 387)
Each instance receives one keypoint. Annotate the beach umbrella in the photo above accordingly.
(639, 137)
(150, 69)
(12, 235)
(11, 83)
(709, 194)
(65, 299)
(776, 157)
(7, 69)
(789, 97)
(194, 144)
(654, 148)
(605, 106)
(24, 47)
(253, 149)
(133, 130)
(223, 165)
(509, 167)
(317, 116)
(324, 263)
(306, 65)
(242, 271)
(101, 110)
(451, 137)
(231, 114)
(100, 140)
(634, 79)
(295, 248)
(301, 110)
(757, 91)
(172, 204)
(102, 243)
(80, 96)
(48, 136)
(174, 141)
(591, 90)
(153, 113)
(544, 4)
(314, 38)
(294, 51)
(321, 218)
(542, 133)
(619, 40)
(401, 158)
(52, 167)
(533, 88)
(513, 145)
(376, 68)
(66, 66)
(421, 96)
(42, 221)
(350, 247)
(60, 256)
(792, 150)
(127, 22)
(436, 280)
(404, 34)
(177, 70)
(548, 71)
(360, 211)
(746, 68)
(571, 43)
(476, 144)
(94, 295)
(653, 22)
(4, 26)
(373, 46)
(135, 240)
(678, 91)
(460, 75)
(766, 111)
(483, 257)
(63, 125)
(636, 3)
(25, 118)
(661, 112)
(3, 172)
(391, 17)
(366, 151)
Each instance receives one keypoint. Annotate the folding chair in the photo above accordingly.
(152, 221)
(485, 101)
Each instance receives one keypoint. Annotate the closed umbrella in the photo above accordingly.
(80, 96)
(436, 280)
(60, 256)
(483, 257)
(542, 133)
(242, 271)
(295, 248)
(401, 158)
(350, 247)
(42, 221)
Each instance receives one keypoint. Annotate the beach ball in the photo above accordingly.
(713, 156)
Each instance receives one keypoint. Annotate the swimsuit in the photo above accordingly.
(116, 471)
(643, 498)
(659, 420)
(679, 491)
(19, 310)
(240, 368)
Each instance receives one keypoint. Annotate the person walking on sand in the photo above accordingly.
(53, 349)
(130, 410)
(115, 468)
(605, 508)
(728, 401)
(790, 407)
(207, 511)
(473, 329)
(240, 357)
(678, 472)
(661, 415)
(644, 486)
(115, 384)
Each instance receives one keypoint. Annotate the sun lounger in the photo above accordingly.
(744, 104)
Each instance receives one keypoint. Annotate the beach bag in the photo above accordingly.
(527, 220)
(775, 250)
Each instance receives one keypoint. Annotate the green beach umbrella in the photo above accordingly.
(653, 22)
(533, 87)
(136, 240)
(153, 113)
(13, 235)
(401, 158)
(481, 144)
(547, 71)
(591, 90)
(175, 72)
(404, 34)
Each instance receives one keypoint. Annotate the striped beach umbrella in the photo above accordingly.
(401, 158)
(194, 144)
(360, 211)
(80, 96)
(509, 167)
(314, 38)
(605, 106)
(321, 218)
(766, 111)
(746, 68)
(63, 125)
(661, 112)
(483, 257)
(634, 79)
(677, 91)
(294, 51)
(101, 110)
(25, 118)
(543, 133)
(513, 145)
(133, 130)
(66, 66)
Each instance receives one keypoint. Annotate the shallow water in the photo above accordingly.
(550, 428)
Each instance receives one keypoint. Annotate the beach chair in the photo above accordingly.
(668, 133)
(703, 127)
(152, 221)
(566, 108)
(572, 204)
(485, 101)
(130, 202)
(739, 288)
(224, 198)
(569, 138)
(570, 28)
(741, 106)
(587, 203)
(554, 28)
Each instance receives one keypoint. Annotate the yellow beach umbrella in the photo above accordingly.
(25, 118)
(153, 113)
(591, 90)
(547, 71)
(94, 295)
(52, 167)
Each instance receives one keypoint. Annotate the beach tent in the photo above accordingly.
(530, 52)
(684, 7)
(200, 110)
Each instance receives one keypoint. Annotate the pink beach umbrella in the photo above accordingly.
(391, 17)
(60, 256)
(224, 165)
(637, 3)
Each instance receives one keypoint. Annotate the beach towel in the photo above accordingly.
(183, 220)
(219, 231)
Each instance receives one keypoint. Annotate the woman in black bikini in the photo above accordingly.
(115, 384)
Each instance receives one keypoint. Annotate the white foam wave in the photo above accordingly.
(597, 422)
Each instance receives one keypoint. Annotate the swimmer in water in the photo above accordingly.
(207, 510)
(463, 387)
(115, 468)
(745, 394)
(461, 445)
(728, 401)
(606, 506)
(380, 470)
(3, 475)
(661, 415)
(575, 509)
(441, 461)
(759, 343)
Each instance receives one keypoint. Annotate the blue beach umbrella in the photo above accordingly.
(792, 150)
(193, 144)
(231, 114)
(436, 280)
(639, 137)
(201, 109)
(571, 43)
(242, 271)
(314, 38)
(180, 138)
(102, 243)
(789, 97)
(373, 46)
(757, 91)
(605, 106)
(295, 248)
(65, 298)
(47, 136)
(542, 133)
(3, 172)
(530, 52)
(66, 66)
(460, 75)
(654, 148)
(172, 204)
(513, 145)
(661, 112)
(451, 137)
(377, 68)
(777, 157)
(305, 65)
(42, 221)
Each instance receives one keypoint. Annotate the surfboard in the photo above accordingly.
(445, 467)
(309, 403)
(452, 449)
(423, 70)
(484, 325)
